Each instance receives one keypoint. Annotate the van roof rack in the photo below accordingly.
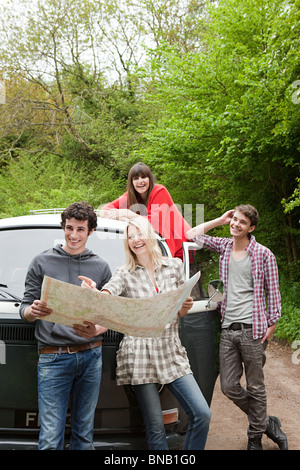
(56, 210)
(46, 211)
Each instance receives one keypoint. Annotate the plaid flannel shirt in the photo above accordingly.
(162, 359)
(265, 280)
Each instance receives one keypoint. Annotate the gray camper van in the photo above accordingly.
(118, 421)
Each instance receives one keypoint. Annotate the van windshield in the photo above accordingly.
(19, 246)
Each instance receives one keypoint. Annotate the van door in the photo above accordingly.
(200, 329)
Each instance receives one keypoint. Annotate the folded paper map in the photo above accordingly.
(72, 304)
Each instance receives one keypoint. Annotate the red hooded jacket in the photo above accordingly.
(163, 215)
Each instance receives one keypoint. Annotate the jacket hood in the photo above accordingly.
(78, 259)
(80, 256)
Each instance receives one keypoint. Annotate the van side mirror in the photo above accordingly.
(215, 291)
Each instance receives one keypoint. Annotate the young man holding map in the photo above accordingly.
(57, 343)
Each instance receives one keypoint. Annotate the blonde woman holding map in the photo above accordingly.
(146, 362)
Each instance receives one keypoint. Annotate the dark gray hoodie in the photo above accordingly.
(59, 264)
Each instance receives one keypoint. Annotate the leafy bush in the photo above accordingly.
(42, 181)
(288, 327)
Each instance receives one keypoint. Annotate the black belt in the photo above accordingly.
(238, 326)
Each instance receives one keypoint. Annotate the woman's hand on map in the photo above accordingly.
(87, 283)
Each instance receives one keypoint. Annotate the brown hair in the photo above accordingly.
(139, 169)
(250, 212)
(80, 211)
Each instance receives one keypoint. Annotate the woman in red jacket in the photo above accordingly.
(145, 197)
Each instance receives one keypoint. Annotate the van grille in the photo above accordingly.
(112, 337)
(22, 333)
(17, 333)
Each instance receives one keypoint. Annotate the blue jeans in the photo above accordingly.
(62, 375)
(189, 395)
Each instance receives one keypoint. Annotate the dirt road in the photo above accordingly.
(228, 429)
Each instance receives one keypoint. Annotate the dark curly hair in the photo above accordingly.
(80, 211)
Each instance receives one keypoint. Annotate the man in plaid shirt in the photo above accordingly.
(249, 274)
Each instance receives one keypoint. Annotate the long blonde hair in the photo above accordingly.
(146, 229)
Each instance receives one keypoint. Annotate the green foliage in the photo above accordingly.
(43, 180)
(288, 327)
(213, 108)
(227, 125)
(294, 200)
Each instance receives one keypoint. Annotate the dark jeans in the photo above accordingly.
(188, 393)
(238, 348)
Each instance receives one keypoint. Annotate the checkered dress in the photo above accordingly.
(150, 360)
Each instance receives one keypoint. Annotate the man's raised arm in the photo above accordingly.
(206, 226)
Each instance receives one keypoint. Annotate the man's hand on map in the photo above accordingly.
(38, 309)
(89, 330)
